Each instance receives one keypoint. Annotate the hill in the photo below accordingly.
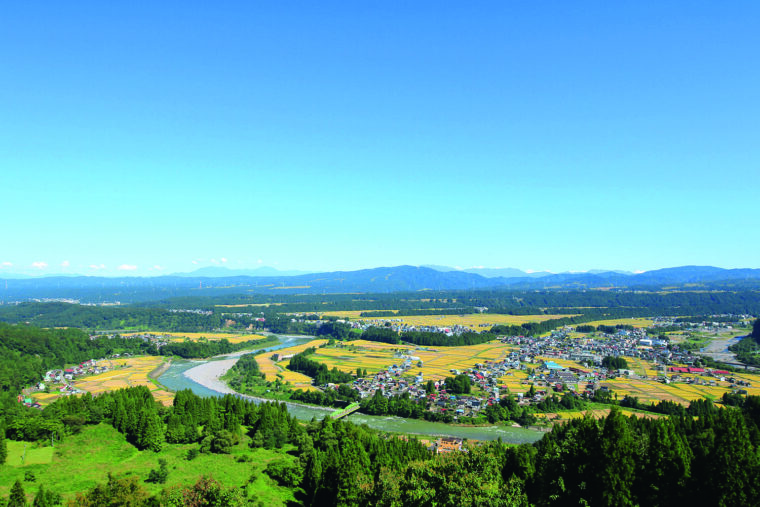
(375, 280)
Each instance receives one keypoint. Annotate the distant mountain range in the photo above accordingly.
(493, 272)
(517, 273)
(219, 272)
(219, 281)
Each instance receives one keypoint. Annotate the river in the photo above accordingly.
(176, 378)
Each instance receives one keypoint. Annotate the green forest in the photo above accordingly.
(709, 457)
(208, 315)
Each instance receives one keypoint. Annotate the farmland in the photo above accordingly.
(124, 372)
(635, 322)
(475, 321)
(180, 337)
(597, 413)
(438, 362)
(277, 370)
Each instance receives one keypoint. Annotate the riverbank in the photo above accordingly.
(153, 376)
(207, 374)
(204, 380)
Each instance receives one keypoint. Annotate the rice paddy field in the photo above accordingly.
(635, 322)
(475, 321)
(273, 370)
(437, 361)
(556, 417)
(123, 373)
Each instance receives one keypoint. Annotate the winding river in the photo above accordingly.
(177, 377)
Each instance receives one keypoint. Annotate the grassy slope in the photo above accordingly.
(81, 461)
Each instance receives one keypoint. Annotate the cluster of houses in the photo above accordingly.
(396, 380)
(396, 324)
(61, 378)
(195, 311)
(402, 378)
(714, 323)
(592, 349)
(89, 367)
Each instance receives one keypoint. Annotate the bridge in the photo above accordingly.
(343, 412)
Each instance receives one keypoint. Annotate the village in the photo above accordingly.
(63, 381)
(536, 360)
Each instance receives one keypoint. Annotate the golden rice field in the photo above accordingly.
(473, 320)
(126, 372)
(635, 322)
(298, 380)
(648, 389)
(350, 314)
(349, 360)
(596, 414)
(437, 361)
(272, 370)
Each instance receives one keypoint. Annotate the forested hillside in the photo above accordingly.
(108, 317)
(710, 459)
(26, 352)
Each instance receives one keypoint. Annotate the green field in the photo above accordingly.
(81, 461)
(30, 454)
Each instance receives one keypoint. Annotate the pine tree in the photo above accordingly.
(18, 497)
(664, 473)
(3, 448)
(45, 498)
(618, 471)
(40, 499)
(176, 433)
(734, 463)
(151, 434)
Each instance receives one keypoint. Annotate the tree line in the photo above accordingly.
(316, 370)
(748, 349)
(710, 459)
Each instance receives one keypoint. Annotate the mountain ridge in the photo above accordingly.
(380, 280)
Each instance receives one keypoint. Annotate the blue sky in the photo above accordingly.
(539, 135)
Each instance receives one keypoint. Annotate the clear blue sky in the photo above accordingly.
(320, 135)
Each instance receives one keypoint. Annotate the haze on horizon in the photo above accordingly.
(153, 139)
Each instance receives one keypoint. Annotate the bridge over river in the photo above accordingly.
(343, 412)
